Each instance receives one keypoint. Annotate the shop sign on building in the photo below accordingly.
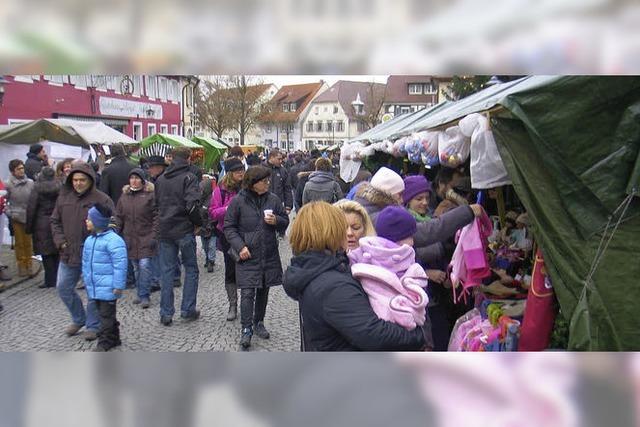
(125, 108)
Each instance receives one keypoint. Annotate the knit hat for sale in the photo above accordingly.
(395, 223)
(387, 181)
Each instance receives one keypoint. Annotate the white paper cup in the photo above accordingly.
(268, 212)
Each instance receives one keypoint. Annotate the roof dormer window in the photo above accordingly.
(285, 107)
(415, 89)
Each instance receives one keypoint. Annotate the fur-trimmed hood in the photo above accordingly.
(375, 196)
(148, 188)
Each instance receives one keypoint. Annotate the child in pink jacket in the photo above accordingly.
(386, 267)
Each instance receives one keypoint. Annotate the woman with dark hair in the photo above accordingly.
(251, 224)
(220, 201)
(39, 209)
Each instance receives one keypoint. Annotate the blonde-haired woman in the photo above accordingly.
(335, 311)
(359, 223)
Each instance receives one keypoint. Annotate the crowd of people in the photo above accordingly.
(369, 270)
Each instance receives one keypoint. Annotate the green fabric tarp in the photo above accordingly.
(167, 139)
(571, 146)
(213, 150)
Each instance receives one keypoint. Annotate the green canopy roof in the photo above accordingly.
(168, 139)
(213, 150)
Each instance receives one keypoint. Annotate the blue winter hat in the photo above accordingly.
(99, 216)
(395, 223)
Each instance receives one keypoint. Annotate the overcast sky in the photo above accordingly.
(281, 80)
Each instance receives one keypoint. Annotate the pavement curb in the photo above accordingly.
(4, 286)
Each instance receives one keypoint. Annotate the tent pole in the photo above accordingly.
(501, 209)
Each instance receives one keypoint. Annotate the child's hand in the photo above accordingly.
(117, 292)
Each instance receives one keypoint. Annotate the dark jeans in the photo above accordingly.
(50, 264)
(169, 253)
(253, 305)
(109, 333)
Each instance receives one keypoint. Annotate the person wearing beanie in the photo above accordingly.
(251, 224)
(384, 189)
(104, 270)
(36, 160)
(386, 267)
(416, 197)
(222, 197)
(41, 203)
(136, 220)
(77, 195)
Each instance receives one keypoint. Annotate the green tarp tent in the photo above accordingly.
(168, 139)
(213, 150)
(571, 146)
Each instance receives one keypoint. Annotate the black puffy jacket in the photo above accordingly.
(115, 177)
(244, 226)
(336, 313)
(178, 200)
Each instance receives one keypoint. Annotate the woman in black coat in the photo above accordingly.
(251, 224)
(39, 208)
(335, 311)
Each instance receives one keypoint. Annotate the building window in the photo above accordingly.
(318, 126)
(164, 128)
(292, 107)
(99, 82)
(174, 129)
(152, 87)
(137, 131)
(162, 84)
(404, 110)
(335, 109)
(80, 81)
(415, 89)
(285, 107)
(268, 129)
(362, 127)
(430, 88)
(329, 126)
(151, 129)
(310, 126)
(339, 126)
(317, 110)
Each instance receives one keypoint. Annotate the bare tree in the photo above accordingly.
(373, 102)
(249, 103)
(215, 106)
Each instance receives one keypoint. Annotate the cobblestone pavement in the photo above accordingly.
(34, 319)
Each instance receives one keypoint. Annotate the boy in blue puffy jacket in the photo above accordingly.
(104, 269)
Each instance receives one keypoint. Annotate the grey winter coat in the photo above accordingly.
(321, 186)
(18, 192)
(244, 226)
(442, 228)
(41, 204)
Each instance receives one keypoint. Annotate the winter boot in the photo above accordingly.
(232, 296)
(261, 331)
(245, 339)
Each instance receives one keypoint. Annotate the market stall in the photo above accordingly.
(570, 146)
(61, 138)
(161, 143)
(213, 150)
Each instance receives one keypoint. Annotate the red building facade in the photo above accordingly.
(138, 106)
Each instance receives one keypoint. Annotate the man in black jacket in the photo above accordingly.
(280, 185)
(35, 161)
(179, 204)
(116, 175)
